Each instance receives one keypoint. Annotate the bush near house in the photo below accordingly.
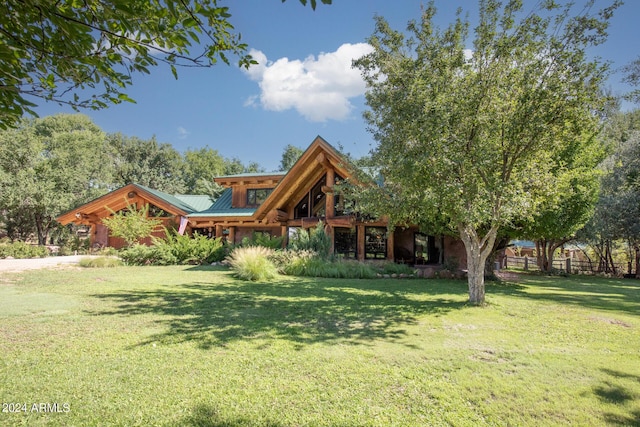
(22, 250)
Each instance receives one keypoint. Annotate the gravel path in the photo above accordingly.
(14, 265)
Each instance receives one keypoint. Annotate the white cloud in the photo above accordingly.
(182, 133)
(318, 88)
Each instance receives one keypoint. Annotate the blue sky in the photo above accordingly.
(303, 86)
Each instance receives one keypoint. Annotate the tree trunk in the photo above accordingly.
(477, 252)
(546, 249)
(42, 235)
(637, 248)
(43, 226)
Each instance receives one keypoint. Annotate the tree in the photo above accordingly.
(147, 162)
(56, 50)
(50, 165)
(200, 168)
(466, 141)
(290, 156)
(131, 224)
(632, 71)
(571, 204)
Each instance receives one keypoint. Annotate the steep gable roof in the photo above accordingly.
(168, 198)
(308, 169)
(117, 199)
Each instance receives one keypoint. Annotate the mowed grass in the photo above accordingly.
(194, 346)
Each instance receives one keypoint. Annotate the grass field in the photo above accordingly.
(193, 346)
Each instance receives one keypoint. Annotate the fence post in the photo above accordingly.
(568, 265)
(526, 263)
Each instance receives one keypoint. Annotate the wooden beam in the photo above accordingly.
(330, 197)
(360, 244)
(390, 246)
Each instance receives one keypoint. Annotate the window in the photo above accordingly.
(255, 196)
(426, 249)
(375, 243)
(313, 204)
(156, 212)
(345, 242)
(302, 208)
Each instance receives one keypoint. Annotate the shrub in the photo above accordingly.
(22, 250)
(100, 262)
(393, 268)
(318, 267)
(192, 250)
(148, 255)
(131, 224)
(315, 240)
(252, 263)
(262, 239)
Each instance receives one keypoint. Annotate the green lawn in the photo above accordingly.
(192, 346)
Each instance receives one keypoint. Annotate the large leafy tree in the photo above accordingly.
(146, 162)
(54, 50)
(632, 77)
(467, 140)
(50, 165)
(576, 178)
(617, 215)
(290, 156)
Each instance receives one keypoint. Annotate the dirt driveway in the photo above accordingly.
(15, 265)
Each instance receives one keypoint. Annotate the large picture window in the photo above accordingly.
(314, 203)
(256, 196)
(375, 242)
(345, 242)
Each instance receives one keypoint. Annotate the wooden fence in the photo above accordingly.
(567, 265)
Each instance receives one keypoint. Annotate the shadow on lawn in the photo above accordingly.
(208, 416)
(299, 310)
(204, 415)
(615, 392)
(586, 291)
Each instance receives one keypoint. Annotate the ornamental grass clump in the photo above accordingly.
(101, 262)
(252, 263)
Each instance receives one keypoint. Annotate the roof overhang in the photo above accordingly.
(118, 199)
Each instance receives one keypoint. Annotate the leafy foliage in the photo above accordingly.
(290, 156)
(197, 249)
(22, 250)
(131, 224)
(466, 142)
(148, 255)
(616, 219)
(315, 239)
(56, 50)
(49, 166)
(85, 54)
(264, 240)
(146, 162)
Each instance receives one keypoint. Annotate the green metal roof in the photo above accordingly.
(222, 207)
(170, 199)
(199, 202)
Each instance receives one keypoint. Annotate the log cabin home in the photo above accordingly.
(277, 204)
